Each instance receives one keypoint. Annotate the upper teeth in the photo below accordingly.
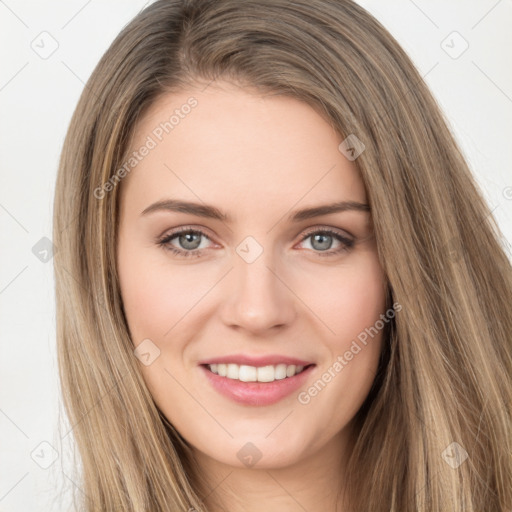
(255, 374)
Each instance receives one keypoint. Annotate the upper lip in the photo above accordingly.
(267, 360)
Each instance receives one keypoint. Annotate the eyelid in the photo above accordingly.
(185, 229)
(341, 232)
(347, 243)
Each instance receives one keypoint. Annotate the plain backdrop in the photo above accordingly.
(48, 51)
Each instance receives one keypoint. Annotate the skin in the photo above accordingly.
(257, 158)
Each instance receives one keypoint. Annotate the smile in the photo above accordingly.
(256, 381)
(245, 373)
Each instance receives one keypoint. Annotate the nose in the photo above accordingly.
(258, 298)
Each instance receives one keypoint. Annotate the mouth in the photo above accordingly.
(247, 373)
(264, 382)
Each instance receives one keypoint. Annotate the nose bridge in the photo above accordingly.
(259, 300)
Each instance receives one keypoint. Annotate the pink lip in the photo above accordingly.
(256, 393)
(271, 359)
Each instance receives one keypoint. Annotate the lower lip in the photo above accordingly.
(257, 393)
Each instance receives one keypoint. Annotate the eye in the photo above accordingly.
(322, 240)
(188, 242)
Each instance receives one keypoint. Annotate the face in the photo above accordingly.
(249, 302)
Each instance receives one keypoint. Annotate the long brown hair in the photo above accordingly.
(447, 374)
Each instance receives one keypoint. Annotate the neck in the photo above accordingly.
(314, 482)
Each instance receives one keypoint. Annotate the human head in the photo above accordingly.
(336, 58)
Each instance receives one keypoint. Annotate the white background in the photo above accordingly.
(37, 98)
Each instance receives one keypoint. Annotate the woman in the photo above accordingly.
(280, 286)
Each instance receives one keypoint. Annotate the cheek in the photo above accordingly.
(361, 299)
(348, 300)
(155, 297)
(351, 307)
(362, 304)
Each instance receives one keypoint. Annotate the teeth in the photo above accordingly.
(280, 372)
(266, 374)
(232, 371)
(290, 370)
(246, 373)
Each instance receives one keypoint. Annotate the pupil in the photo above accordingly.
(187, 241)
(326, 243)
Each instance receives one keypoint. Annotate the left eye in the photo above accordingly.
(323, 240)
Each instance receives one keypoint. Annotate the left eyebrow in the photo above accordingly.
(317, 211)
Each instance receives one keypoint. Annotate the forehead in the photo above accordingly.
(229, 144)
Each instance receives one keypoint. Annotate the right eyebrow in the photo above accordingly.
(201, 210)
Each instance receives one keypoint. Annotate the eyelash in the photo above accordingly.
(164, 242)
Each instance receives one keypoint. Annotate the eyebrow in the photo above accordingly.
(211, 212)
